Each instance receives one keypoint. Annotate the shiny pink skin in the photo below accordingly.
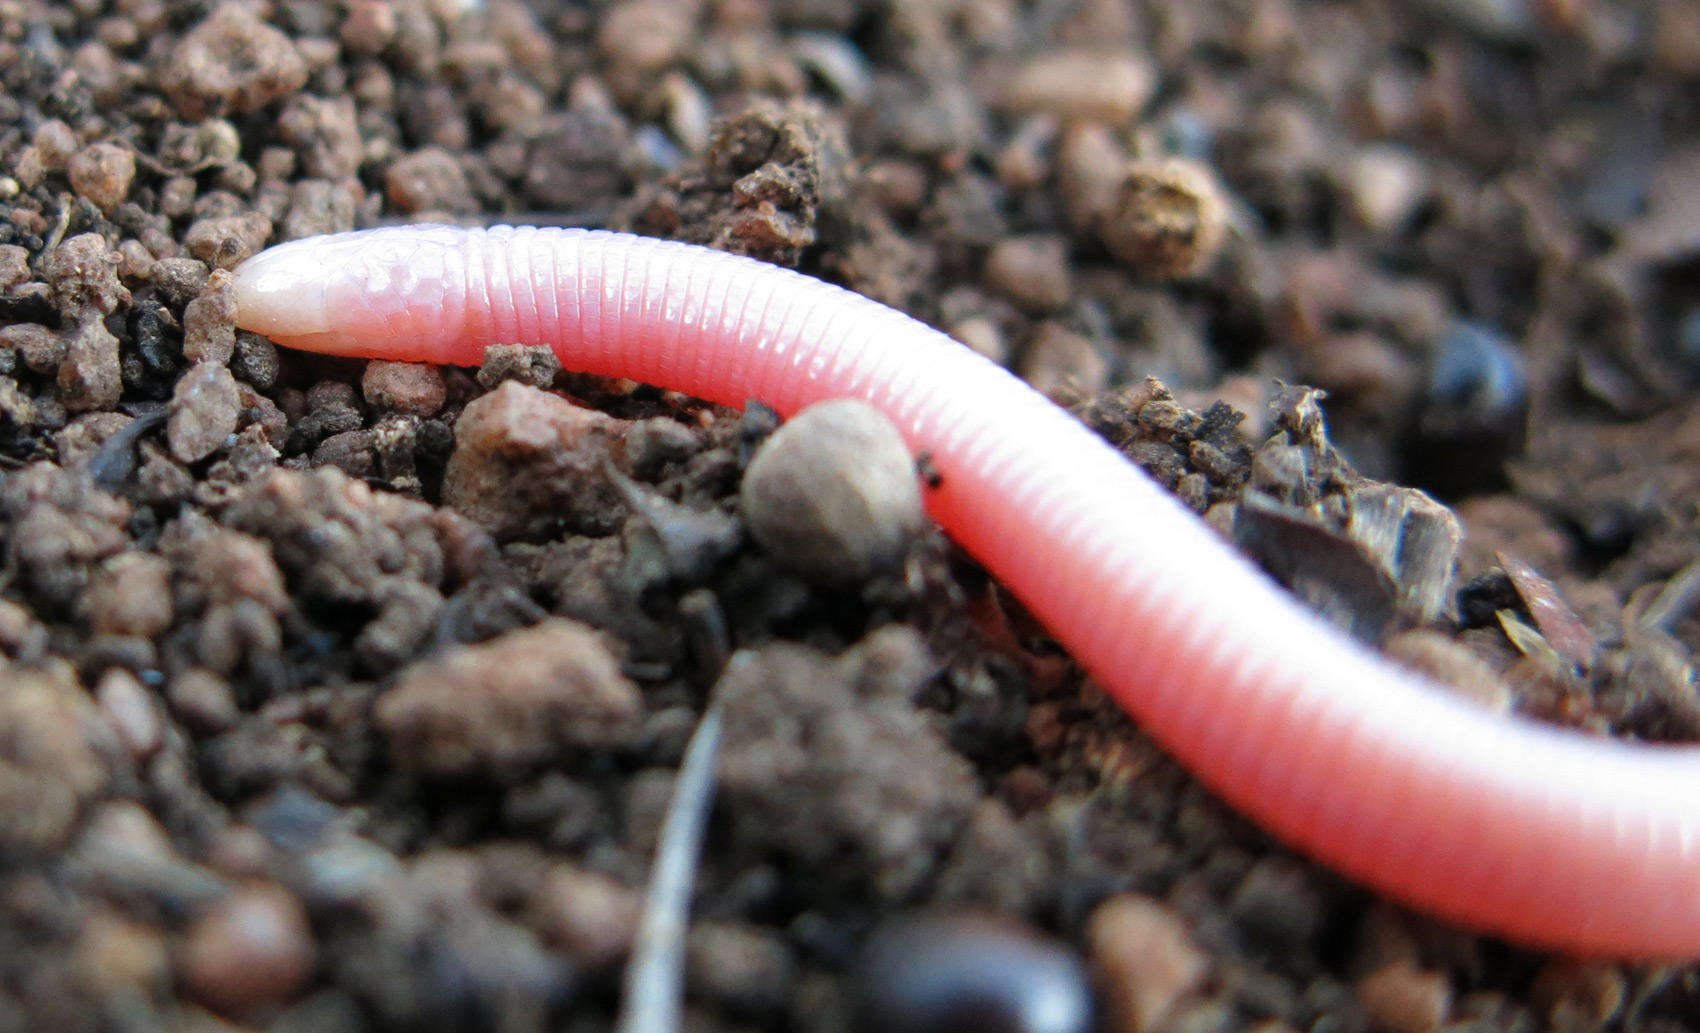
(1535, 834)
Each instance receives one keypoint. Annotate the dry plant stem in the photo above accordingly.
(1537, 834)
(655, 976)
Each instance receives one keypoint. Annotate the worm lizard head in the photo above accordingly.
(390, 290)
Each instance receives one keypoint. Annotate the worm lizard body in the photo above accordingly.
(1536, 834)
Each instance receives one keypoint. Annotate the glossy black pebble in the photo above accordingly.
(969, 974)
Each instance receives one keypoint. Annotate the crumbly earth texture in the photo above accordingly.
(341, 697)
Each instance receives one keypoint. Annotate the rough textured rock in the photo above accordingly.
(527, 462)
(232, 62)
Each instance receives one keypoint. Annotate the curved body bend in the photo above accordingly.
(1536, 834)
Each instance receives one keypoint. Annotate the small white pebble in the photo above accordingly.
(833, 496)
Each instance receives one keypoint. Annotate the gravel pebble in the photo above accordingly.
(251, 950)
(833, 495)
(642, 36)
(255, 361)
(404, 387)
(1168, 218)
(325, 133)
(180, 279)
(349, 451)
(588, 915)
(318, 206)
(1278, 906)
(204, 411)
(748, 969)
(533, 365)
(132, 712)
(1063, 365)
(429, 180)
(203, 701)
(1091, 164)
(1404, 999)
(130, 595)
(223, 242)
(51, 744)
(209, 321)
(103, 173)
(232, 62)
(121, 956)
(1580, 995)
(61, 527)
(40, 348)
(984, 336)
(1386, 183)
(1031, 271)
(1083, 84)
(90, 377)
(14, 266)
(83, 273)
(369, 26)
(1145, 960)
(524, 699)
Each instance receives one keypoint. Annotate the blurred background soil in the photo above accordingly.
(341, 696)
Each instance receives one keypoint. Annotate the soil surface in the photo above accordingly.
(352, 697)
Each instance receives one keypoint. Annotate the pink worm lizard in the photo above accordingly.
(1529, 832)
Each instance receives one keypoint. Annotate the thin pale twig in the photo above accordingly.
(655, 976)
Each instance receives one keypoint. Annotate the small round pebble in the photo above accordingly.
(103, 173)
(1083, 83)
(1478, 381)
(644, 35)
(588, 915)
(120, 956)
(1031, 271)
(428, 180)
(180, 279)
(1062, 364)
(1386, 184)
(131, 711)
(832, 495)
(1168, 218)
(202, 700)
(1580, 994)
(83, 272)
(748, 969)
(1145, 960)
(1402, 998)
(205, 409)
(54, 141)
(252, 949)
(130, 595)
(969, 974)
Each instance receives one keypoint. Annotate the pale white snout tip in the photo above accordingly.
(280, 292)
